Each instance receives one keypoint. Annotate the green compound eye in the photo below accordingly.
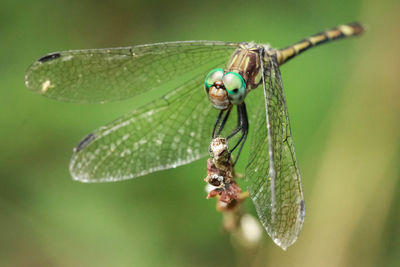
(213, 76)
(235, 86)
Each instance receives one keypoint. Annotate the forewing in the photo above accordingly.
(103, 75)
(275, 179)
(168, 132)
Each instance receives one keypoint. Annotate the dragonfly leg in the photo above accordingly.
(243, 137)
(217, 122)
(243, 127)
(224, 120)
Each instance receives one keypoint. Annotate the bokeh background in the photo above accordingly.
(343, 100)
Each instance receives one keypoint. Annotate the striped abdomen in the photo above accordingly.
(339, 32)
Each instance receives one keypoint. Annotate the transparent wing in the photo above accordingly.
(103, 75)
(168, 132)
(276, 186)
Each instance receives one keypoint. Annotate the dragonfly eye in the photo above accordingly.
(235, 86)
(213, 76)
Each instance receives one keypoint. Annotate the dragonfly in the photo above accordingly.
(175, 128)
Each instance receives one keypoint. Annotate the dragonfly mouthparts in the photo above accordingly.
(219, 96)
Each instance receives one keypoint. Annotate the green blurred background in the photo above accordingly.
(343, 99)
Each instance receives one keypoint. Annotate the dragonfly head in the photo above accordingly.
(224, 88)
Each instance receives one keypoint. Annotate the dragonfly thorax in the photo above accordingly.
(246, 61)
